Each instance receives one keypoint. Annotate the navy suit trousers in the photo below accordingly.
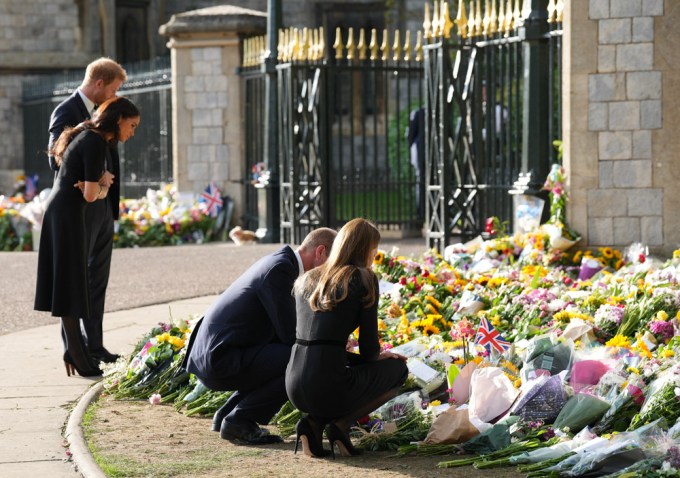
(259, 384)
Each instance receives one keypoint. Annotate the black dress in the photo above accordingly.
(322, 378)
(62, 283)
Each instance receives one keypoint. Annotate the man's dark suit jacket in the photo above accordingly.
(257, 309)
(69, 113)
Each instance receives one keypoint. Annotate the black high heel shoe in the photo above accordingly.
(312, 444)
(72, 367)
(337, 437)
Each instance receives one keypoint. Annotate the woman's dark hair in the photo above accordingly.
(328, 285)
(105, 120)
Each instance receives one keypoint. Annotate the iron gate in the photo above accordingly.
(483, 127)
(343, 145)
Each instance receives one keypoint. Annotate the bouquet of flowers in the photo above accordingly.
(562, 237)
(663, 399)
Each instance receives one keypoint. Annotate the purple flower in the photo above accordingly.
(662, 329)
(674, 456)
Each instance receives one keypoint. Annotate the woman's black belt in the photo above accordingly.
(336, 343)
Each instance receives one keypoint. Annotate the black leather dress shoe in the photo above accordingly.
(219, 415)
(103, 355)
(247, 433)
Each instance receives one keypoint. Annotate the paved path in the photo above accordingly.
(35, 393)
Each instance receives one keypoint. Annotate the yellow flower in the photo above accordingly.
(577, 257)
(607, 252)
(662, 315)
(382, 325)
(429, 309)
(618, 264)
(634, 370)
(668, 353)
(379, 257)
(641, 346)
(434, 302)
(430, 330)
(517, 383)
(619, 341)
(435, 403)
(676, 254)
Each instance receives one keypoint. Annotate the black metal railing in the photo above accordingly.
(146, 161)
(254, 90)
(344, 150)
(477, 126)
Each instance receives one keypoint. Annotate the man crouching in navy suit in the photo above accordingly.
(244, 340)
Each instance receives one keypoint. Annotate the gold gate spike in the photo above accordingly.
(396, 47)
(407, 45)
(435, 20)
(350, 44)
(385, 47)
(479, 27)
(445, 20)
(461, 21)
(426, 21)
(338, 44)
(419, 46)
(494, 19)
(559, 8)
(551, 11)
(322, 44)
(373, 46)
(361, 46)
(501, 17)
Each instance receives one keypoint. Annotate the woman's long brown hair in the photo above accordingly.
(105, 120)
(328, 285)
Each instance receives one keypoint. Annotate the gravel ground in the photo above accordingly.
(144, 276)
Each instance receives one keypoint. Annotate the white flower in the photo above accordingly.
(155, 399)
(677, 392)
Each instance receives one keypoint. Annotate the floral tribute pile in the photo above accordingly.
(520, 352)
(160, 218)
(560, 363)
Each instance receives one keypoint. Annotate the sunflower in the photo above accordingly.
(379, 258)
(607, 252)
(434, 302)
(577, 257)
(430, 330)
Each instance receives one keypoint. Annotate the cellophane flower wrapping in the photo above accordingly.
(662, 399)
(546, 355)
(580, 410)
(543, 399)
(555, 451)
(492, 394)
(495, 438)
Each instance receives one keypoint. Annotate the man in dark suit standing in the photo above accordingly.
(244, 341)
(103, 78)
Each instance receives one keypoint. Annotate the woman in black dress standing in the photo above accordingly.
(62, 283)
(325, 381)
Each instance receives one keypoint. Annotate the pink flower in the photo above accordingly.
(155, 399)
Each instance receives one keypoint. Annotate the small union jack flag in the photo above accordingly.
(489, 337)
(212, 199)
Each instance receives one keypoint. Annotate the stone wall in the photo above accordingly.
(614, 121)
(33, 34)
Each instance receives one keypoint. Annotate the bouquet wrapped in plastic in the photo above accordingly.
(542, 401)
(580, 410)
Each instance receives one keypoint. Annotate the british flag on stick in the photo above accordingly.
(212, 198)
(489, 337)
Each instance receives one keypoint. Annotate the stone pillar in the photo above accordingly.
(207, 103)
(615, 121)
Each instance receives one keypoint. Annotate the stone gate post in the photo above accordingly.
(207, 102)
